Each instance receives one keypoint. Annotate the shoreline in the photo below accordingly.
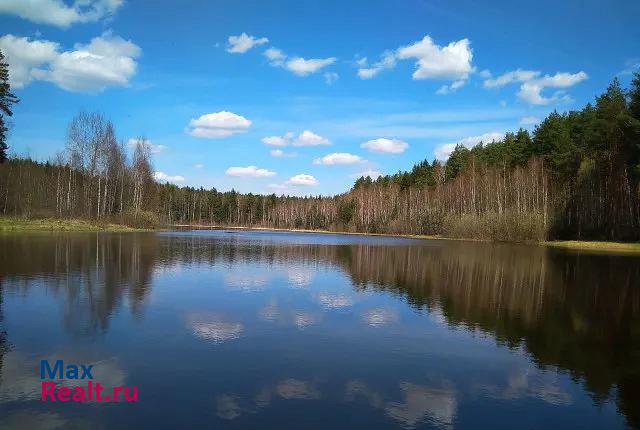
(13, 224)
(576, 245)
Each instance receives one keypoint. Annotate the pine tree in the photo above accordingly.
(7, 98)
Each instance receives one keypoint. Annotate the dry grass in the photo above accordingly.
(595, 245)
(49, 224)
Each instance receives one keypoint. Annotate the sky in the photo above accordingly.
(302, 97)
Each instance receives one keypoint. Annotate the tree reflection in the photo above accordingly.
(91, 273)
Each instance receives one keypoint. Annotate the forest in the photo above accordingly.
(575, 176)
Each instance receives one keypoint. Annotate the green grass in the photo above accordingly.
(595, 245)
(50, 224)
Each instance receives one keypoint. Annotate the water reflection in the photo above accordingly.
(578, 313)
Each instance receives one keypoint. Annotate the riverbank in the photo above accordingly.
(51, 224)
(80, 225)
(577, 245)
(583, 245)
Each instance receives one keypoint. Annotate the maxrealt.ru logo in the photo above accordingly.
(57, 389)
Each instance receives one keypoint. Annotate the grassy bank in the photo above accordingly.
(595, 245)
(50, 224)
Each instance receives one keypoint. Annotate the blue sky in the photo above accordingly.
(302, 96)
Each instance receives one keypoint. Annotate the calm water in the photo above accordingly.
(267, 330)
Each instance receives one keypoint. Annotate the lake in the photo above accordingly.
(272, 330)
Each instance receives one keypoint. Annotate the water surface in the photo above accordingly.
(270, 330)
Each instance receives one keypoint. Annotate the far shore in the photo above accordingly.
(603, 246)
(8, 224)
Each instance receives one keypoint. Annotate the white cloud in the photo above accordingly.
(442, 152)
(338, 158)
(303, 67)
(330, 77)
(306, 138)
(276, 57)
(282, 154)
(302, 179)
(299, 65)
(518, 75)
(309, 138)
(218, 124)
(249, 171)
(163, 177)
(242, 43)
(198, 166)
(446, 89)
(385, 146)
(24, 56)
(532, 85)
(278, 140)
(529, 120)
(373, 174)
(366, 71)
(435, 62)
(531, 91)
(56, 12)
(154, 149)
(106, 61)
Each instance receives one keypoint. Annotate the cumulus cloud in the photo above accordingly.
(278, 140)
(242, 43)
(303, 67)
(249, 171)
(218, 125)
(442, 152)
(309, 138)
(104, 62)
(198, 166)
(152, 148)
(306, 138)
(518, 75)
(531, 91)
(533, 84)
(453, 62)
(57, 13)
(366, 71)
(385, 146)
(163, 177)
(302, 179)
(338, 158)
(435, 62)
(276, 57)
(25, 56)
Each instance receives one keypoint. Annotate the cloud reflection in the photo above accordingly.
(379, 316)
(335, 301)
(214, 327)
(299, 277)
(420, 402)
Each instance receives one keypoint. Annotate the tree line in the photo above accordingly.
(577, 176)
